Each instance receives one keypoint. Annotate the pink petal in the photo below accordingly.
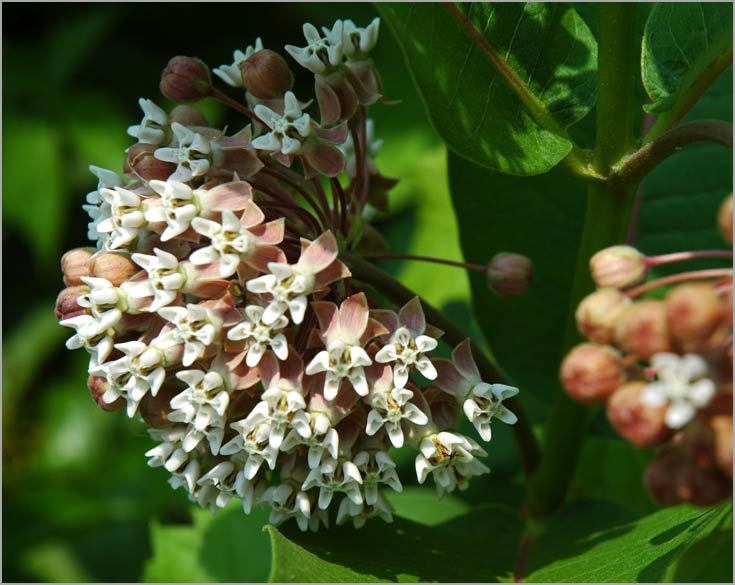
(319, 254)
(328, 100)
(263, 255)
(234, 196)
(462, 358)
(449, 379)
(252, 215)
(268, 369)
(269, 233)
(335, 271)
(327, 315)
(412, 316)
(388, 318)
(353, 316)
(325, 158)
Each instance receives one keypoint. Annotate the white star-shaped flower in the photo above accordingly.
(287, 501)
(98, 209)
(288, 131)
(152, 129)
(178, 207)
(231, 74)
(95, 335)
(253, 442)
(282, 409)
(193, 155)
(126, 217)
(333, 476)
(217, 486)
(485, 402)
(407, 351)
(164, 281)
(260, 335)
(451, 458)
(682, 384)
(361, 513)
(389, 408)
(322, 52)
(339, 362)
(288, 289)
(193, 328)
(230, 242)
(358, 42)
(322, 440)
(376, 468)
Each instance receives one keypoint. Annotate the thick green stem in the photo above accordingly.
(393, 290)
(609, 204)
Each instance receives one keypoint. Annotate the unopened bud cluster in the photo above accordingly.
(215, 304)
(663, 368)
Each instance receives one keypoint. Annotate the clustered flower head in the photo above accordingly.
(662, 365)
(215, 303)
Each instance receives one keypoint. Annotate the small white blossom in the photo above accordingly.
(450, 457)
(358, 42)
(287, 501)
(361, 513)
(339, 362)
(231, 74)
(682, 384)
(230, 242)
(104, 300)
(288, 131)
(333, 477)
(322, 52)
(217, 486)
(164, 278)
(168, 453)
(322, 440)
(260, 335)
(95, 335)
(193, 155)
(376, 468)
(178, 207)
(253, 442)
(126, 217)
(98, 209)
(281, 408)
(389, 408)
(288, 287)
(152, 129)
(202, 406)
(407, 351)
(139, 371)
(193, 328)
(187, 478)
(485, 402)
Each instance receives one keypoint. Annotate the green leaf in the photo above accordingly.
(549, 49)
(681, 44)
(228, 546)
(479, 546)
(540, 217)
(593, 541)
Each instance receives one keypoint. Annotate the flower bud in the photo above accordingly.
(509, 274)
(141, 161)
(187, 116)
(155, 409)
(98, 385)
(75, 264)
(266, 75)
(724, 219)
(186, 79)
(598, 313)
(117, 268)
(642, 425)
(618, 267)
(700, 487)
(66, 302)
(693, 311)
(590, 372)
(660, 475)
(642, 329)
(722, 427)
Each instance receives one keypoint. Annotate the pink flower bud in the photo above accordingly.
(186, 79)
(98, 385)
(75, 264)
(266, 74)
(598, 313)
(117, 268)
(724, 219)
(509, 274)
(141, 161)
(693, 311)
(660, 474)
(187, 116)
(618, 267)
(642, 425)
(722, 427)
(642, 329)
(590, 372)
(66, 302)
(699, 486)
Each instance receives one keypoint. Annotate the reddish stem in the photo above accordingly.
(235, 105)
(680, 256)
(466, 266)
(682, 277)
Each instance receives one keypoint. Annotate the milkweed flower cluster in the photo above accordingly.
(663, 366)
(215, 303)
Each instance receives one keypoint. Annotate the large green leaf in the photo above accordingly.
(548, 47)
(479, 546)
(591, 541)
(681, 44)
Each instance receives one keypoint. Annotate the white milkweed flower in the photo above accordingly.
(281, 408)
(165, 280)
(152, 129)
(95, 335)
(217, 486)
(253, 442)
(485, 403)
(168, 453)
(230, 241)
(231, 74)
(389, 408)
(177, 207)
(376, 468)
(361, 513)
(322, 440)
(260, 335)
(98, 209)
(682, 384)
(194, 154)
(202, 406)
(451, 458)
(139, 371)
(287, 501)
(358, 42)
(126, 217)
(192, 326)
(322, 53)
(288, 131)
(333, 476)
(187, 478)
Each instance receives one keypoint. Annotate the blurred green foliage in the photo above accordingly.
(80, 502)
